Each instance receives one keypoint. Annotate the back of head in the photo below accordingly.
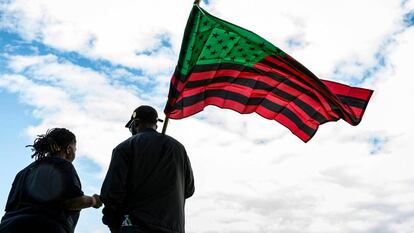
(144, 114)
(51, 143)
(143, 117)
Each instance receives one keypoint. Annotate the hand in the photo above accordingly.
(98, 202)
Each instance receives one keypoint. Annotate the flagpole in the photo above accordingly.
(164, 127)
(197, 2)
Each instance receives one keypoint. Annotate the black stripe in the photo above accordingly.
(354, 102)
(276, 77)
(292, 116)
(300, 68)
(224, 94)
(179, 76)
(242, 68)
(254, 84)
(173, 92)
(223, 66)
(315, 80)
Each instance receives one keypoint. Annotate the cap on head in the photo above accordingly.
(144, 113)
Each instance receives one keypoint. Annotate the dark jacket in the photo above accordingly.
(149, 178)
(38, 192)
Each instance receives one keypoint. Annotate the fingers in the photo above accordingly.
(98, 202)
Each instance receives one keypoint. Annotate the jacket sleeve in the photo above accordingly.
(113, 191)
(73, 187)
(13, 199)
(189, 178)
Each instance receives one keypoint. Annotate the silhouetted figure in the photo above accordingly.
(46, 196)
(148, 180)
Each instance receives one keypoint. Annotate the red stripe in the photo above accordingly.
(197, 76)
(347, 113)
(262, 78)
(322, 107)
(317, 90)
(254, 93)
(243, 109)
(285, 64)
(282, 119)
(345, 90)
(358, 112)
(179, 86)
(177, 83)
(311, 85)
(328, 111)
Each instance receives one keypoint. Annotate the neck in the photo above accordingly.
(62, 155)
(142, 129)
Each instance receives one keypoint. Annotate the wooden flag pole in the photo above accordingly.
(197, 2)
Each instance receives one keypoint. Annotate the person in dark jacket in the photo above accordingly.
(46, 196)
(148, 180)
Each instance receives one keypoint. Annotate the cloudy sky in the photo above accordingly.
(85, 65)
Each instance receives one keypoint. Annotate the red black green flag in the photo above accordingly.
(230, 67)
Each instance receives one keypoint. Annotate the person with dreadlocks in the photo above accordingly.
(46, 196)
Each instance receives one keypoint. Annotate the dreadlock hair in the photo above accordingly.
(54, 141)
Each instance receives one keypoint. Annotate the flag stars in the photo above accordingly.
(208, 47)
(215, 35)
(220, 41)
(224, 47)
(213, 52)
(232, 38)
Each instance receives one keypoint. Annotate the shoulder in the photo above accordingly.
(147, 137)
(173, 142)
(123, 146)
(60, 164)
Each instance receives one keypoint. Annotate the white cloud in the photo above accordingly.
(333, 31)
(115, 31)
(65, 95)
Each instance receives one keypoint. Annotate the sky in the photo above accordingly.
(85, 65)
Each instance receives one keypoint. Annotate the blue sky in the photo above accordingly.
(87, 65)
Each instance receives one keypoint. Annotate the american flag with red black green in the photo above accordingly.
(230, 67)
